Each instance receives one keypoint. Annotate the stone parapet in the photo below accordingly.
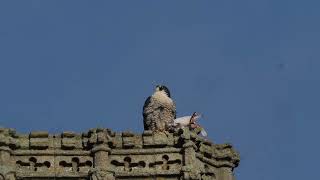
(102, 154)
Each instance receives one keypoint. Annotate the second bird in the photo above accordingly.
(159, 110)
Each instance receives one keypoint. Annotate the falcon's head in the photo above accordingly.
(163, 89)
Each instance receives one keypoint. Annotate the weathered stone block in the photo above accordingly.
(158, 139)
(131, 140)
(39, 140)
(70, 140)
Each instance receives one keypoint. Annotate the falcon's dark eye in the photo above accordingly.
(160, 88)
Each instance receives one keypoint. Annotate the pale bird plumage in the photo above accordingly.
(159, 110)
(189, 121)
(159, 113)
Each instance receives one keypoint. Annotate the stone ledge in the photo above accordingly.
(179, 154)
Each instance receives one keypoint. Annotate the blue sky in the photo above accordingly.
(250, 67)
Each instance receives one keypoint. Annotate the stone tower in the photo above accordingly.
(101, 154)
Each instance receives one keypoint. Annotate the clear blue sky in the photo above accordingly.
(250, 67)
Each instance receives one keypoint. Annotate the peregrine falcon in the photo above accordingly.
(159, 110)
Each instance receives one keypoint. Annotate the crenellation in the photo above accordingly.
(104, 154)
(131, 140)
(39, 140)
(8, 139)
(71, 140)
(117, 143)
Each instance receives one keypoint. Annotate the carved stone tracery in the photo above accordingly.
(101, 154)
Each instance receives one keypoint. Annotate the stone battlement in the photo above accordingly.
(101, 154)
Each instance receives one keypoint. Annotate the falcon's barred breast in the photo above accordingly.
(159, 110)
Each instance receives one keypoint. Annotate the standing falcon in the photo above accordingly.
(159, 110)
